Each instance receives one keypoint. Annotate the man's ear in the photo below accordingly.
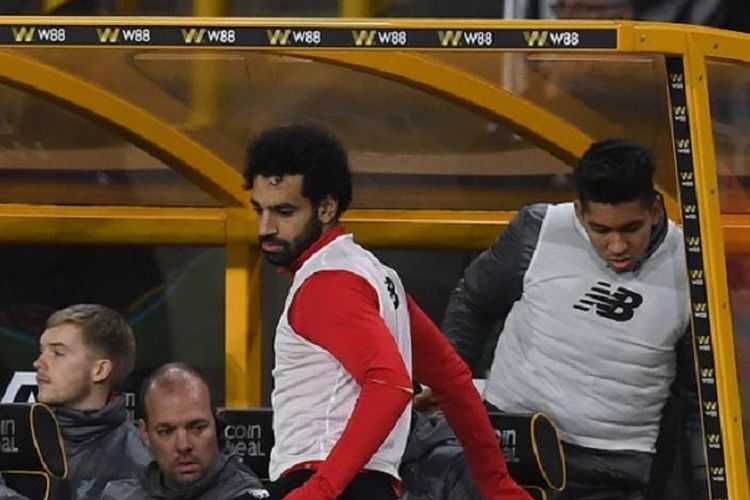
(657, 209)
(579, 210)
(102, 370)
(327, 210)
(142, 431)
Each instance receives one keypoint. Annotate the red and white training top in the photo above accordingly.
(343, 357)
(314, 394)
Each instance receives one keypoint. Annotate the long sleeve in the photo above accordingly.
(7, 493)
(438, 365)
(339, 312)
(491, 284)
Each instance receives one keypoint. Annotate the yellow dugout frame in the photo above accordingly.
(357, 44)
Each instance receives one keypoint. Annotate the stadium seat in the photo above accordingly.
(32, 457)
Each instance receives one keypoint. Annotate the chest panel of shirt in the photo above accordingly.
(616, 317)
(313, 393)
(344, 255)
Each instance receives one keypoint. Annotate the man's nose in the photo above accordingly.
(37, 362)
(266, 224)
(617, 244)
(183, 441)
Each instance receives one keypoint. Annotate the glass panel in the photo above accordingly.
(408, 148)
(603, 95)
(402, 140)
(729, 91)
(172, 296)
(50, 155)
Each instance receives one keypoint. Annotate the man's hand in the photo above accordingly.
(511, 491)
(425, 401)
(315, 488)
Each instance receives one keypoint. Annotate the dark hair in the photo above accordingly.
(615, 171)
(168, 375)
(104, 331)
(306, 149)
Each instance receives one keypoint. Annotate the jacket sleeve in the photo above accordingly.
(438, 365)
(123, 489)
(7, 493)
(686, 390)
(491, 284)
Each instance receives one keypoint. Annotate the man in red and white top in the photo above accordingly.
(349, 339)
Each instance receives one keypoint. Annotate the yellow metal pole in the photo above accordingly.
(205, 75)
(243, 315)
(722, 340)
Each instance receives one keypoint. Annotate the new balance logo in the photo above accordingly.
(619, 305)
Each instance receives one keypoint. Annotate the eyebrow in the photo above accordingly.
(278, 206)
(54, 344)
(191, 423)
(632, 223)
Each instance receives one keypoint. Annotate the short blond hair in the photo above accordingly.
(104, 331)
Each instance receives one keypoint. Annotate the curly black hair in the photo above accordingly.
(306, 149)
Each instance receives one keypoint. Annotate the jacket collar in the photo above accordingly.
(81, 426)
(152, 481)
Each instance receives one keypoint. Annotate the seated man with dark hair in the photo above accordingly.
(86, 350)
(180, 430)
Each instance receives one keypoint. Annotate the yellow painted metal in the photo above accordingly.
(243, 316)
(171, 146)
(128, 7)
(110, 225)
(50, 5)
(722, 338)
(438, 229)
(736, 229)
(357, 8)
(210, 8)
(726, 45)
